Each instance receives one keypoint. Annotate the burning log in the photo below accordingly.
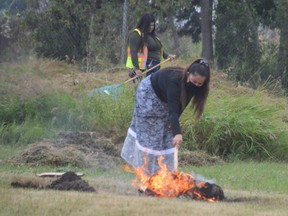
(201, 191)
(206, 191)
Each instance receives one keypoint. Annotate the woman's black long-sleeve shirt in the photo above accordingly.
(167, 86)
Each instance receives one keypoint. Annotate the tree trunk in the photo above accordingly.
(124, 32)
(206, 29)
(174, 33)
(282, 66)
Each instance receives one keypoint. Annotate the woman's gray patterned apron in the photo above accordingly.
(149, 135)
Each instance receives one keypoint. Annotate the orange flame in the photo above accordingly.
(168, 184)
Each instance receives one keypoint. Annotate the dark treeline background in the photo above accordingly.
(246, 38)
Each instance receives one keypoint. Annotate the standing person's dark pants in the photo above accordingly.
(151, 63)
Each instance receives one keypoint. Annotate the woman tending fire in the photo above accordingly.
(155, 134)
(160, 99)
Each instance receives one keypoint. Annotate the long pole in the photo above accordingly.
(176, 158)
(144, 72)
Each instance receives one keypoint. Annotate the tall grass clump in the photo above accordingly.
(26, 121)
(243, 125)
(26, 132)
(110, 113)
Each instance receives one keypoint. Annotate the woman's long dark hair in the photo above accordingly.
(144, 25)
(200, 94)
(201, 67)
(199, 98)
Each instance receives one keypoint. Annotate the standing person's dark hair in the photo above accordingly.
(144, 26)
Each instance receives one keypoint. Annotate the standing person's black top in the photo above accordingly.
(167, 86)
(154, 48)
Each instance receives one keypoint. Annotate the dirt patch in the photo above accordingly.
(68, 181)
(81, 149)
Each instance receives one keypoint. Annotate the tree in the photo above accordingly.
(206, 29)
(282, 21)
(13, 35)
(106, 40)
(124, 32)
(168, 11)
(177, 18)
(13, 6)
(188, 19)
(236, 42)
(60, 27)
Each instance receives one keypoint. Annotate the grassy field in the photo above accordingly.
(250, 189)
(40, 98)
(22, 202)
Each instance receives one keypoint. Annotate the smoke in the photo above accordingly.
(201, 178)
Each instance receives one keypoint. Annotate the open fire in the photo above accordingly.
(174, 184)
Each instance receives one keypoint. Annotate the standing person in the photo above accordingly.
(160, 100)
(144, 47)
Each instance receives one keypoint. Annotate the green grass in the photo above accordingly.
(257, 188)
(240, 123)
(8, 151)
(33, 202)
(248, 176)
(235, 125)
(27, 121)
(260, 188)
(110, 113)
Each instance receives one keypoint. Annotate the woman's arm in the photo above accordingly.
(174, 105)
(134, 42)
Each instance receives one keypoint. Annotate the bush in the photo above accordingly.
(244, 125)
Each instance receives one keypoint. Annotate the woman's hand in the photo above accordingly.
(177, 140)
(171, 57)
(138, 72)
